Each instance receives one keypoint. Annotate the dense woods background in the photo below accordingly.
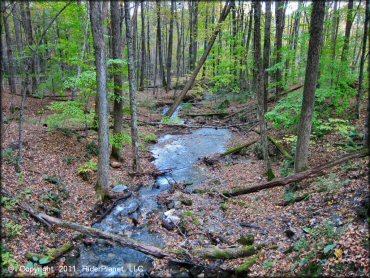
(106, 66)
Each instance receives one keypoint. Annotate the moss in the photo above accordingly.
(247, 239)
(270, 175)
(224, 206)
(244, 268)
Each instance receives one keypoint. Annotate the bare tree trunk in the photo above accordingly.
(117, 151)
(347, 34)
(159, 44)
(102, 185)
(259, 88)
(169, 51)
(279, 16)
(9, 46)
(312, 69)
(266, 52)
(362, 62)
(143, 52)
(132, 89)
(202, 60)
(26, 18)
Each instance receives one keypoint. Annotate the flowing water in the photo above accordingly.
(178, 155)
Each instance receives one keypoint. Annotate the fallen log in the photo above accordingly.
(221, 114)
(296, 177)
(52, 254)
(124, 241)
(238, 148)
(227, 253)
(27, 208)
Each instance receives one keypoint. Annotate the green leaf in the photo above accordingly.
(303, 262)
(307, 230)
(29, 265)
(269, 264)
(44, 260)
(35, 259)
(329, 247)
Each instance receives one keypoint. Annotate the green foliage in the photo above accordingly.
(172, 120)
(92, 149)
(8, 155)
(187, 106)
(87, 169)
(11, 229)
(7, 262)
(286, 113)
(8, 203)
(329, 184)
(150, 138)
(119, 140)
(322, 127)
(69, 113)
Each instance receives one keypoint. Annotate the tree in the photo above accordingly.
(362, 61)
(280, 19)
(202, 60)
(266, 52)
(143, 52)
(159, 44)
(102, 185)
(132, 89)
(9, 46)
(117, 151)
(347, 34)
(312, 69)
(259, 87)
(170, 43)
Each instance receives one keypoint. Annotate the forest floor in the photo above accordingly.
(326, 233)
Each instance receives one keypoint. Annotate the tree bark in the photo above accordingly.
(143, 52)
(362, 61)
(347, 34)
(259, 87)
(312, 69)
(202, 60)
(9, 46)
(169, 50)
(266, 52)
(132, 89)
(102, 185)
(159, 44)
(117, 152)
(318, 170)
(279, 16)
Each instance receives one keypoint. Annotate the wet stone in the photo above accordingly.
(119, 188)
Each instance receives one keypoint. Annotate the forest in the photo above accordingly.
(185, 138)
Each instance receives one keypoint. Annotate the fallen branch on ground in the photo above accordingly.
(227, 253)
(239, 148)
(52, 254)
(296, 177)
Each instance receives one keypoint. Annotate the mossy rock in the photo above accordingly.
(247, 239)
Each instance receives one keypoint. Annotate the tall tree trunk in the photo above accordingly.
(266, 53)
(362, 62)
(117, 151)
(134, 38)
(334, 32)
(26, 17)
(347, 34)
(17, 31)
(312, 69)
(194, 34)
(102, 185)
(143, 52)
(202, 60)
(169, 51)
(132, 89)
(205, 40)
(159, 44)
(259, 87)
(9, 46)
(279, 15)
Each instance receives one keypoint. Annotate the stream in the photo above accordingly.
(178, 155)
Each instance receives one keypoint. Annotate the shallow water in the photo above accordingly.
(180, 154)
